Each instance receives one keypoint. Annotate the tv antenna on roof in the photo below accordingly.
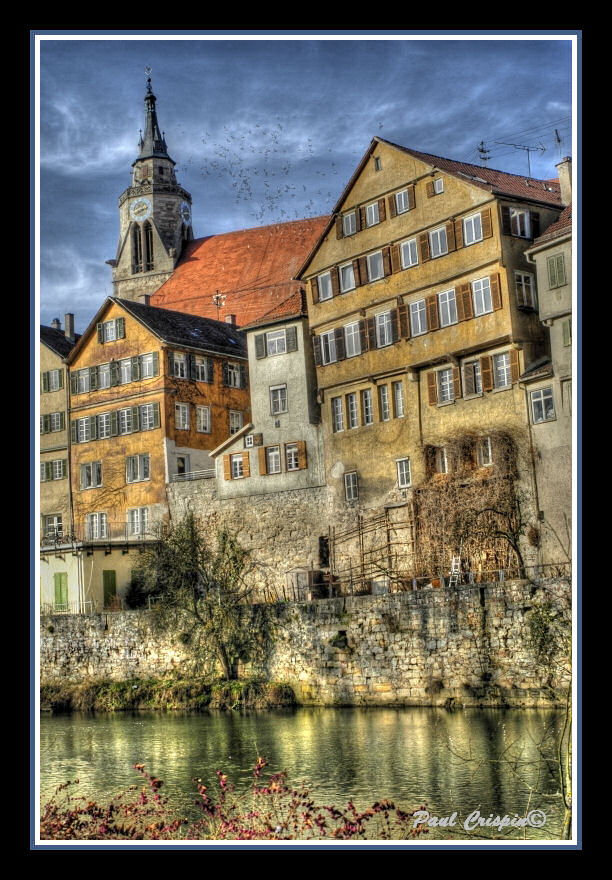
(540, 149)
(484, 153)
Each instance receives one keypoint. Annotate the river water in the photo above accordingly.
(485, 759)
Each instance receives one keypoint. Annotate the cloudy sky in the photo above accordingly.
(267, 130)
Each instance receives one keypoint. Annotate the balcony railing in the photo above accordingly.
(208, 474)
(111, 532)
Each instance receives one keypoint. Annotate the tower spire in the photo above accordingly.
(153, 144)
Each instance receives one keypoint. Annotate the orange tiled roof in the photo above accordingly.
(561, 226)
(293, 307)
(252, 268)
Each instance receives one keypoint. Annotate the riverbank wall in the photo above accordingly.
(472, 646)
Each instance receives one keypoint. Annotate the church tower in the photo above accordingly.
(154, 215)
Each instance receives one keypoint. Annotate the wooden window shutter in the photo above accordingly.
(64, 467)
(392, 206)
(135, 419)
(424, 247)
(60, 375)
(394, 251)
(192, 366)
(456, 383)
(114, 423)
(335, 281)
(459, 233)
(93, 427)
(495, 291)
(487, 223)
(291, 338)
(243, 376)
(73, 432)
(561, 279)
(210, 371)
(225, 373)
(246, 465)
(362, 217)
(93, 377)
(506, 227)
(62, 421)
(170, 363)
(314, 290)
(386, 261)
(535, 224)
(450, 236)
(363, 337)
(371, 331)
(363, 270)
(469, 382)
(357, 273)
(486, 372)
(316, 347)
(48, 470)
(83, 476)
(100, 329)
(339, 227)
(227, 467)
(301, 450)
(156, 419)
(432, 385)
(340, 346)
(552, 271)
(567, 332)
(429, 188)
(156, 363)
(358, 223)
(514, 365)
(46, 424)
(465, 309)
(404, 321)
(411, 197)
(382, 211)
(431, 304)
(135, 366)
(261, 459)
(120, 328)
(74, 383)
(44, 378)
(260, 346)
(394, 325)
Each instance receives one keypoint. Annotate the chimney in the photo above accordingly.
(69, 325)
(55, 323)
(564, 169)
(145, 299)
(230, 319)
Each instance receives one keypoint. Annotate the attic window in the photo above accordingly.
(377, 163)
(438, 185)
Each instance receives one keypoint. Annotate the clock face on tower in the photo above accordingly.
(185, 212)
(140, 210)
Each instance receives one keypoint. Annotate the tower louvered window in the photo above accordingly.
(142, 247)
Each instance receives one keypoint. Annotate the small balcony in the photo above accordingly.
(101, 534)
(208, 474)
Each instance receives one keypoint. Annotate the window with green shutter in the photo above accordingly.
(60, 582)
(556, 271)
(109, 583)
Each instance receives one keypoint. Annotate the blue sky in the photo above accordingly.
(264, 131)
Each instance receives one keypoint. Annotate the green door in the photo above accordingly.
(60, 580)
(110, 587)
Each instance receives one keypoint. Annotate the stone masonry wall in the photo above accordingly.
(416, 648)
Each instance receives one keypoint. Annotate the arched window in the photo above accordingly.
(147, 233)
(136, 248)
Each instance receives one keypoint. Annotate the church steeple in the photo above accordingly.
(153, 144)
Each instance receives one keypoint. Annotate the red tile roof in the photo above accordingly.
(561, 226)
(252, 268)
(293, 307)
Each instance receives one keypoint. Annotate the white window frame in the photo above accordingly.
(90, 475)
(236, 421)
(447, 308)
(398, 400)
(441, 460)
(138, 520)
(484, 452)
(352, 339)
(349, 223)
(352, 410)
(351, 487)
(418, 318)
(103, 425)
(125, 371)
(138, 468)
(369, 260)
(83, 430)
(104, 377)
(292, 462)
(481, 296)
(501, 370)
(404, 475)
(203, 419)
(328, 347)
(384, 335)
(146, 416)
(233, 375)
(278, 399)
(55, 421)
(409, 248)
(146, 366)
(477, 375)
(367, 407)
(181, 416)
(383, 398)
(52, 525)
(273, 460)
(372, 214)
(438, 185)
(556, 278)
(109, 331)
(402, 203)
(179, 365)
(237, 466)
(539, 400)
(57, 469)
(446, 386)
(124, 421)
(83, 381)
(54, 380)
(438, 242)
(96, 525)
(525, 290)
(472, 229)
(337, 415)
(520, 223)
(325, 286)
(344, 287)
(276, 342)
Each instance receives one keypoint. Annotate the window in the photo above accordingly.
(481, 296)
(398, 399)
(91, 475)
(403, 473)
(383, 399)
(236, 466)
(181, 416)
(383, 330)
(147, 366)
(125, 371)
(441, 460)
(556, 271)
(138, 521)
(273, 460)
(96, 526)
(542, 406)
(325, 286)
(337, 414)
(54, 381)
(204, 369)
(438, 185)
(447, 307)
(372, 216)
(234, 375)
(104, 425)
(328, 347)
(501, 370)
(377, 163)
(104, 376)
(484, 452)
(472, 229)
(567, 332)
(278, 399)
(352, 340)
(125, 421)
(137, 468)
(292, 461)
(347, 277)
(351, 487)
(519, 223)
(148, 413)
(351, 408)
(276, 342)
(367, 409)
(401, 202)
(409, 253)
(525, 290)
(53, 470)
(472, 378)
(349, 223)
(83, 430)
(438, 245)
(235, 421)
(375, 266)
(109, 331)
(203, 419)
(179, 365)
(56, 421)
(52, 525)
(83, 381)
(418, 318)
(446, 390)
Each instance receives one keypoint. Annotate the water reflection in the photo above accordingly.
(451, 761)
